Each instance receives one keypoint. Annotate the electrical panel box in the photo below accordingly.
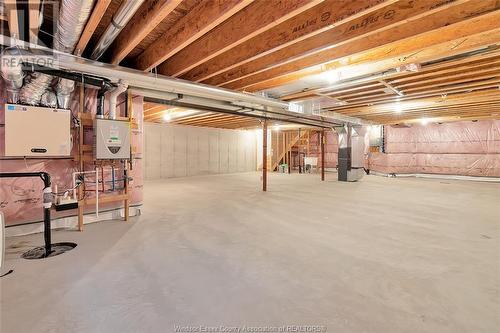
(37, 131)
(112, 139)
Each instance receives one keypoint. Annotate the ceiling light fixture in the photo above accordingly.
(167, 117)
(398, 108)
(424, 121)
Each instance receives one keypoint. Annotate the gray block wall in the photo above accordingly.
(180, 151)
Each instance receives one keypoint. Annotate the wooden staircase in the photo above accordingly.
(296, 139)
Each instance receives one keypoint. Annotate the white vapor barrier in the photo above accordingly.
(180, 151)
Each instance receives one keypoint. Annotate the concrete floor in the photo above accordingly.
(380, 255)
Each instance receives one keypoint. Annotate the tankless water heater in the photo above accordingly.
(112, 139)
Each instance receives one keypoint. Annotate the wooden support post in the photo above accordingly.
(289, 152)
(126, 201)
(283, 146)
(80, 208)
(81, 108)
(128, 164)
(323, 139)
(264, 155)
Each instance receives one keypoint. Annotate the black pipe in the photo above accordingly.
(77, 77)
(100, 103)
(47, 202)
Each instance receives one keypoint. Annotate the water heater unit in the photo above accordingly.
(37, 131)
(112, 139)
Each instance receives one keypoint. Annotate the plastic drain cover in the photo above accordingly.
(57, 249)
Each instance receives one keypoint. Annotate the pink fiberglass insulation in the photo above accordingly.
(20, 199)
(331, 148)
(459, 148)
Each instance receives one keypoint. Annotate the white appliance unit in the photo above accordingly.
(112, 139)
(35, 131)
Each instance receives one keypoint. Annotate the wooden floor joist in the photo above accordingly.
(251, 21)
(379, 60)
(428, 37)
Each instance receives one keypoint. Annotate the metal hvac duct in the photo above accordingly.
(73, 16)
(36, 85)
(172, 89)
(118, 22)
(12, 73)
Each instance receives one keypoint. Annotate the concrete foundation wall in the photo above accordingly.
(180, 151)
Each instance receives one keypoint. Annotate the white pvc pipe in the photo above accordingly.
(121, 88)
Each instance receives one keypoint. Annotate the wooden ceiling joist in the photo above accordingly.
(151, 13)
(34, 20)
(12, 17)
(201, 19)
(442, 69)
(312, 21)
(92, 23)
(428, 37)
(259, 16)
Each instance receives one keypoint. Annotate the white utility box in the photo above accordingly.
(37, 131)
(112, 139)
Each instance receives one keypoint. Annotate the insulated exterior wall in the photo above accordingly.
(331, 148)
(180, 151)
(21, 198)
(460, 148)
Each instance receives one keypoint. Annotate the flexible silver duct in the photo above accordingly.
(12, 73)
(73, 16)
(49, 99)
(120, 19)
(34, 88)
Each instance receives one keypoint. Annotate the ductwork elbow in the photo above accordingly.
(64, 88)
(32, 91)
(12, 73)
(113, 96)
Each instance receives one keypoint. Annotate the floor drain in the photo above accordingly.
(57, 249)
